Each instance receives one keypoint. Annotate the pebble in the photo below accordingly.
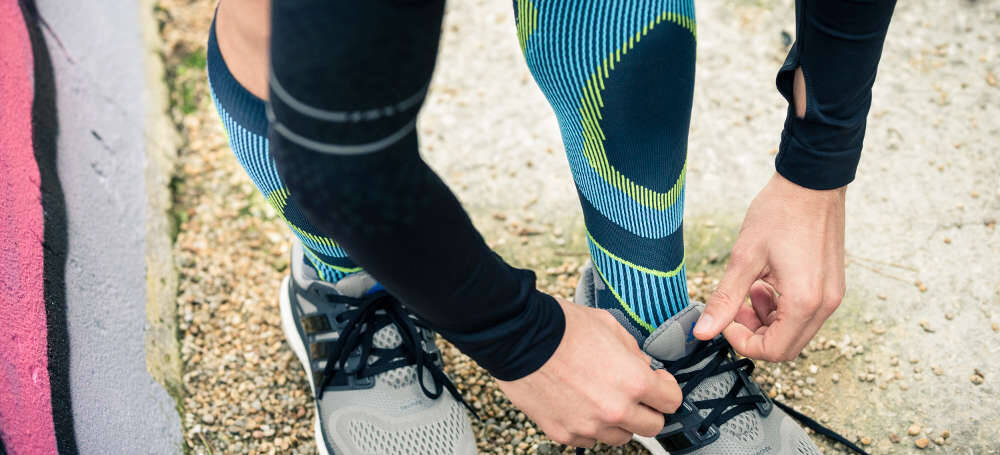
(921, 443)
(894, 438)
(945, 434)
(865, 440)
(913, 430)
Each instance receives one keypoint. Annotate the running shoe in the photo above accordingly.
(375, 372)
(724, 411)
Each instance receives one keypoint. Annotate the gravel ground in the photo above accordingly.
(245, 391)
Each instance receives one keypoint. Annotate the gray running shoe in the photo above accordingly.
(375, 373)
(724, 411)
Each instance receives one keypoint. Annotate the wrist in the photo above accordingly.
(789, 186)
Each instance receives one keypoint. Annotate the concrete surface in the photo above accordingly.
(922, 242)
(97, 52)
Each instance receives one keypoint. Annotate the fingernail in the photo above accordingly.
(704, 323)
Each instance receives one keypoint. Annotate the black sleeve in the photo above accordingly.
(838, 45)
(347, 83)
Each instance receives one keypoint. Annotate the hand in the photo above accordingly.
(597, 386)
(789, 258)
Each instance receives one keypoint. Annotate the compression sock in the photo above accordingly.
(620, 77)
(243, 116)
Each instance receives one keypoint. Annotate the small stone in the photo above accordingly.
(835, 378)
(882, 296)
(913, 430)
(945, 434)
(865, 440)
(208, 418)
(937, 370)
(949, 316)
(926, 326)
(947, 240)
(894, 438)
(921, 443)
(939, 441)
(996, 327)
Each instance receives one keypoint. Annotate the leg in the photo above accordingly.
(376, 408)
(241, 33)
(620, 77)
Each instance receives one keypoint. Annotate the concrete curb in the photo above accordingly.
(162, 346)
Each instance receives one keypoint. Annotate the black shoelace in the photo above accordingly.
(367, 315)
(732, 404)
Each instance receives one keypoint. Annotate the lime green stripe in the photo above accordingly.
(278, 199)
(527, 23)
(591, 103)
(635, 317)
(335, 267)
(640, 268)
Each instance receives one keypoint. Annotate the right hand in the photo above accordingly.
(597, 386)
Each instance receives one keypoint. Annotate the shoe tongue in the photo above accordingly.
(355, 285)
(673, 339)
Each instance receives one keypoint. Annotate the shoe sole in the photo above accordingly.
(292, 335)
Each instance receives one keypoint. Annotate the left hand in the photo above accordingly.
(789, 258)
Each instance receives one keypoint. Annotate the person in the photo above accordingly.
(320, 99)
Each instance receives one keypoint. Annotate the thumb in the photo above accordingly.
(741, 272)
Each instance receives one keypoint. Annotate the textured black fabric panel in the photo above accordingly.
(390, 212)
(838, 46)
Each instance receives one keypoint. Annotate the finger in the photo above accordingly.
(642, 420)
(741, 272)
(661, 392)
(748, 318)
(763, 298)
(579, 441)
(774, 344)
(614, 436)
(812, 328)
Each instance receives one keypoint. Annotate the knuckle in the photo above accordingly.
(636, 389)
(614, 413)
(719, 296)
(833, 298)
(620, 440)
(589, 430)
(740, 256)
(559, 435)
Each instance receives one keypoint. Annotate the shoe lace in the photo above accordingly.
(732, 403)
(364, 317)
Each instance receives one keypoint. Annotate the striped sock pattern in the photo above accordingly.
(620, 77)
(245, 122)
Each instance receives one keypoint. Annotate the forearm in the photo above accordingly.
(838, 46)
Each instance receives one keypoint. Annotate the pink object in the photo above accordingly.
(26, 425)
